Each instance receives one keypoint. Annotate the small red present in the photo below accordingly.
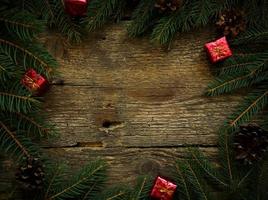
(76, 8)
(218, 50)
(163, 189)
(34, 82)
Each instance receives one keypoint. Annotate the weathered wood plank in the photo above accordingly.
(125, 164)
(154, 97)
(131, 103)
(81, 112)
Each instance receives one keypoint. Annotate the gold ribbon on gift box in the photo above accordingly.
(219, 51)
(30, 83)
(166, 191)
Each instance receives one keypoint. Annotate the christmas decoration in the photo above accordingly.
(218, 50)
(231, 22)
(250, 143)
(163, 189)
(168, 5)
(31, 174)
(34, 82)
(19, 118)
(76, 8)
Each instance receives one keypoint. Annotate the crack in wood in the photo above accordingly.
(108, 125)
(101, 145)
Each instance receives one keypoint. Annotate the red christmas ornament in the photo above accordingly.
(218, 50)
(34, 82)
(76, 8)
(163, 189)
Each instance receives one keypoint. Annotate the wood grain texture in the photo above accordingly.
(133, 104)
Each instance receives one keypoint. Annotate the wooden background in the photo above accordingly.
(131, 103)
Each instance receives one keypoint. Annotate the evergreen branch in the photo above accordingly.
(55, 179)
(193, 14)
(253, 104)
(247, 175)
(195, 182)
(262, 181)
(230, 83)
(8, 69)
(46, 7)
(202, 10)
(32, 123)
(89, 194)
(102, 10)
(15, 144)
(11, 136)
(252, 35)
(240, 63)
(225, 152)
(33, 55)
(207, 167)
(115, 193)
(181, 180)
(23, 24)
(83, 182)
(16, 103)
(166, 29)
(142, 18)
(116, 196)
(141, 189)
(64, 24)
(256, 12)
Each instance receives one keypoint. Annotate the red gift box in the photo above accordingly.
(163, 189)
(34, 81)
(76, 8)
(218, 50)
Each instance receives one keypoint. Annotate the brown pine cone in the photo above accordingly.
(250, 143)
(231, 22)
(168, 5)
(31, 174)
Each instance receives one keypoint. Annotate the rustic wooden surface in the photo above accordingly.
(132, 104)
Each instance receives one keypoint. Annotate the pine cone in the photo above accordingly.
(168, 5)
(250, 143)
(31, 174)
(231, 22)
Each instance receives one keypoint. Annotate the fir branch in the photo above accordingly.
(23, 24)
(15, 144)
(225, 153)
(256, 12)
(32, 123)
(83, 182)
(252, 105)
(64, 24)
(115, 193)
(202, 10)
(33, 55)
(240, 63)
(102, 10)
(142, 188)
(166, 29)
(245, 178)
(8, 68)
(46, 7)
(252, 35)
(181, 180)
(195, 182)
(207, 167)
(12, 102)
(11, 135)
(230, 83)
(142, 18)
(55, 178)
(262, 181)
